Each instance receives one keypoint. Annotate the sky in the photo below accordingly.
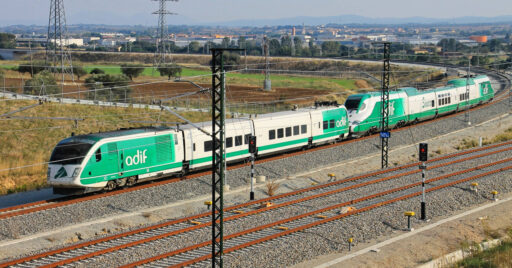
(132, 12)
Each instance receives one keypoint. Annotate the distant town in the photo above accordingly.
(300, 40)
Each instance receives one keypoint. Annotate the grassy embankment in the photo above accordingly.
(500, 256)
(470, 143)
(30, 142)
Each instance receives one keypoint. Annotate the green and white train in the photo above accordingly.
(105, 161)
(409, 105)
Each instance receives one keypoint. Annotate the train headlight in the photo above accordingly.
(76, 172)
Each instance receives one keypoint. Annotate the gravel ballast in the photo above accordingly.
(156, 196)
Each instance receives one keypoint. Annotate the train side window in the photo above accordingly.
(303, 129)
(331, 123)
(98, 155)
(326, 124)
(433, 103)
(229, 142)
(238, 140)
(272, 134)
(280, 133)
(288, 131)
(449, 99)
(319, 125)
(296, 130)
(194, 147)
(246, 138)
(208, 146)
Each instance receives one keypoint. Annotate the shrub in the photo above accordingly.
(108, 87)
(169, 70)
(41, 84)
(97, 71)
(132, 71)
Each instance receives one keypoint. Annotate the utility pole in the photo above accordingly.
(56, 41)
(162, 40)
(218, 153)
(384, 123)
(466, 115)
(267, 84)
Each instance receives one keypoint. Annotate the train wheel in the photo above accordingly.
(111, 185)
(131, 181)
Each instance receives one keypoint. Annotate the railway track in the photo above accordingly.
(54, 203)
(91, 249)
(201, 252)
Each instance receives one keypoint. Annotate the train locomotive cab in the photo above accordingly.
(359, 108)
(66, 164)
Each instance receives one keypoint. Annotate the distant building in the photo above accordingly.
(479, 38)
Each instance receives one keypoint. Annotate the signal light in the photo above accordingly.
(423, 152)
(252, 144)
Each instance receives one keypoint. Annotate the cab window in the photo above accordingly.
(98, 155)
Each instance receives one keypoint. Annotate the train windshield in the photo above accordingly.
(71, 153)
(352, 103)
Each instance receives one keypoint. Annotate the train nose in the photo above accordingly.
(58, 174)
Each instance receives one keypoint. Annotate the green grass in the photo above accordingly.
(500, 256)
(148, 71)
(248, 79)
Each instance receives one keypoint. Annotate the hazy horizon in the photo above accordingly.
(195, 12)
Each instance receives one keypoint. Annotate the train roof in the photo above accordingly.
(118, 133)
(411, 91)
(208, 124)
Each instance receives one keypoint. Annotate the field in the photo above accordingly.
(203, 76)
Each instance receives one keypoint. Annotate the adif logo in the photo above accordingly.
(139, 158)
(61, 173)
(391, 108)
(341, 123)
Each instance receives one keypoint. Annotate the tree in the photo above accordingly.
(31, 68)
(79, 71)
(231, 61)
(108, 87)
(2, 76)
(97, 71)
(42, 83)
(194, 47)
(331, 48)
(274, 47)
(225, 42)
(132, 70)
(169, 70)
(494, 45)
(7, 40)
(242, 42)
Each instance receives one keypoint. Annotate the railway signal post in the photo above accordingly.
(423, 158)
(218, 153)
(252, 150)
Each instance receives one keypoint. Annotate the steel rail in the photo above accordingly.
(54, 203)
(323, 221)
(245, 214)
